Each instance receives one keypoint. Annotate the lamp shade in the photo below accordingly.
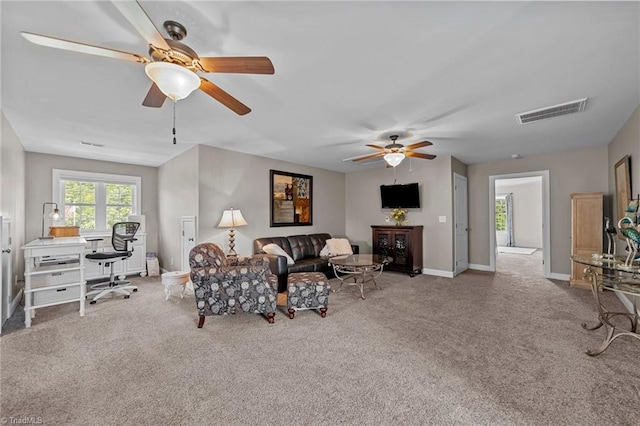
(175, 81)
(232, 218)
(394, 158)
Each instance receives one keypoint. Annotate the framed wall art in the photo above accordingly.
(291, 199)
(623, 186)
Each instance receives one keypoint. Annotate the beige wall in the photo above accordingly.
(436, 183)
(12, 193)
(177, 196)
(569, 172)
(232, 179)
(39, 168)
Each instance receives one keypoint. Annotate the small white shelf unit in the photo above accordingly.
(54, 274)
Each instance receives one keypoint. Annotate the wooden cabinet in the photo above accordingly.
(403, 244)
(586, 231)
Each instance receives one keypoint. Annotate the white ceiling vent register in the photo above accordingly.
(552, 111)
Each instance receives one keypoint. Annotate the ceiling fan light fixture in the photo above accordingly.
(394, 158)
(175, 81)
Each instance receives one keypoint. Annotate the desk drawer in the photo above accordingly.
(53, 295)
(55, 278)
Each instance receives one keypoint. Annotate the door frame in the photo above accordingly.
(456, 176)
(546, 217)
(183, 255)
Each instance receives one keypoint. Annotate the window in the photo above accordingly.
(95, 201)
(501, 214)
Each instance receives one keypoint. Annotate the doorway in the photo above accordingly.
(519, 218)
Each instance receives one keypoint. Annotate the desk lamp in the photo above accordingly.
(54, 215)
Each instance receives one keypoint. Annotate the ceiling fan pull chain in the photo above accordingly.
(394, 176)
(174, 122)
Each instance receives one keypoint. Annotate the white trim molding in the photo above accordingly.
(437, 273)
(477, 267)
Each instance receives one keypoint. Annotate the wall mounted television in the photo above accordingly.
(405, 196)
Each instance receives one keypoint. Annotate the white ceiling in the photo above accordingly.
(346, 74)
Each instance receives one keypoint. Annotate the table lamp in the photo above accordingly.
(230, 219)
(54, 215)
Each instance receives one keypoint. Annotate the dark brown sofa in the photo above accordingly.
(305, 251)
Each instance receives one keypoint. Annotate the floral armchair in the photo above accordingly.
(224, 285)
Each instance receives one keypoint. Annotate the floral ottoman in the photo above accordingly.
(307, 290)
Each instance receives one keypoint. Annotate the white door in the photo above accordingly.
(6, 291)
(188, 232)
(461, 223)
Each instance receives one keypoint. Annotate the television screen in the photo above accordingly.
(403, 196)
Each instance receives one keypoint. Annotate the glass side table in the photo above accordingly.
(605, 272)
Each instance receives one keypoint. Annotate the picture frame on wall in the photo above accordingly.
(623, 186)
(291, 199)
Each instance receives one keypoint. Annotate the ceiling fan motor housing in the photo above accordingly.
(180, 54)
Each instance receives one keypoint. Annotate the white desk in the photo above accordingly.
(54, 274)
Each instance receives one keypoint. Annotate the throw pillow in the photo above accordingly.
(276, 249)
(336, 247)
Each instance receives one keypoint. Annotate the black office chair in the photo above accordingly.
(122, 237)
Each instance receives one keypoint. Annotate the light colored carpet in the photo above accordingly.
(516, 250)
(499, 349)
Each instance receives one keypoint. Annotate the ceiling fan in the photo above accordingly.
(172, 65)
(395, 152)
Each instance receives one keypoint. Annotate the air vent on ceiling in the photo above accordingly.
(98, 145)
(552, 111)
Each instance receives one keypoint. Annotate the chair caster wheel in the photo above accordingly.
(135, 289)
(93, 302)
(126, 297)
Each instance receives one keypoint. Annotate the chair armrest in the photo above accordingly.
(277, 264)
(94, 243)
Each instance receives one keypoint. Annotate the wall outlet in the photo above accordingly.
(442, 219)
(172, 261)
(387, 219)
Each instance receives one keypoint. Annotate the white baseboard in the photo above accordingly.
(477, 267)
(437, 273)
(561, 277)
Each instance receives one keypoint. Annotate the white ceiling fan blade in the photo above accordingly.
(74, 46)
(140, 20)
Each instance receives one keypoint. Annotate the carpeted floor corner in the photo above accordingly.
(482, 348)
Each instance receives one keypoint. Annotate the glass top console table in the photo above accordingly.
(359, 268)
(608, 273)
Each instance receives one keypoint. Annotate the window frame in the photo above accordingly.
(59, 176)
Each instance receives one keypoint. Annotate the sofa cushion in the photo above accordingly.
(314, 264)
(301, 247)
(261, 242)
(318, 241)
(277, 250)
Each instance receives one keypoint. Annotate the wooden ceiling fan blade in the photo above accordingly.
(155, 98)
(135, 14)
(223, 97)
(368, 157)
(242, 64)
(419, 155)
(74, 46)
(379, 148)
(418, 145)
